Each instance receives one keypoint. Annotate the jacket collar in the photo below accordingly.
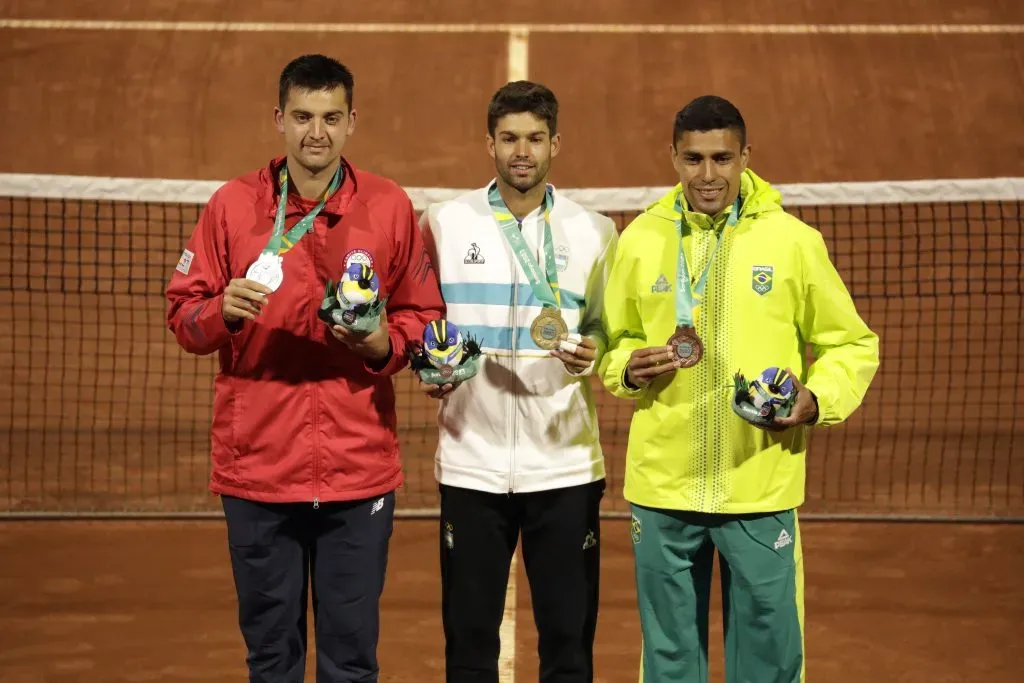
(337, 204)
(539, 211)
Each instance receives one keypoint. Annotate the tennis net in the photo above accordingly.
(103, 414)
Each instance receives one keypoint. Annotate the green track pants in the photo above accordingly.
(761, 568)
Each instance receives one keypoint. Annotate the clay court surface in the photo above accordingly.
(820, 108)
(108, 601)
(113, 602)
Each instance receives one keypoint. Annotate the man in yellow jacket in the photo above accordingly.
(712, 281)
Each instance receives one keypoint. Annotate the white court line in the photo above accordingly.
(507, 632)
(690, 29)
(518, 55)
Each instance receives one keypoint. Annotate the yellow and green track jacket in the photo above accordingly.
(772, 292)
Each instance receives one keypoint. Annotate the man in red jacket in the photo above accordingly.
(304, 447)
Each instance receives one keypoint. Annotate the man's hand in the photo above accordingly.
(576, 355)
(437, 391)
(805, 410)
(243, 300)
(646, 364)
(374, 346)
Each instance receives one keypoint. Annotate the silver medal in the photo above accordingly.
(267, 271)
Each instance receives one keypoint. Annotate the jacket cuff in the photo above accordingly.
(817, 410)
(613, 369)
(206, 324)
(585, 372)
(827, 414)
(627, 385)
(395, 360)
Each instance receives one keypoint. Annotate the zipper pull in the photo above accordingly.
(316, 503)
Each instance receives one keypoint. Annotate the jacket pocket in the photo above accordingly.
(239, 444)
(222, 430)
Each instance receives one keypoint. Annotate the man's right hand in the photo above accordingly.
(646, 364)
(243, 300)
(437, 390)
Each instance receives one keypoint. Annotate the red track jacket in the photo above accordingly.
(297, 416)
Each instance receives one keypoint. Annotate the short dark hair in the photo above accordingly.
(517, 97)
(709, 112)
(315, 72)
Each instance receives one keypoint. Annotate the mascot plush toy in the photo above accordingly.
(445, 356)
(769, 396)
(355, 303)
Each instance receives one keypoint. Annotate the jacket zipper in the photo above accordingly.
(315, 391)
(711, 458)
(515, 367)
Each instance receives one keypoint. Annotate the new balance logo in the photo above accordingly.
(473, 255)
(378, 505)
(784, 539)
(661, 285)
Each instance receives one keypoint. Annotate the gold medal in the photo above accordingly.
(547, 328)
(686, 346)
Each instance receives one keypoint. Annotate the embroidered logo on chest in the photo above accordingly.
(473, 255)
(562, 258)
(761, 279)
(360, 256)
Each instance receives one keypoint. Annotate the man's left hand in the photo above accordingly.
(576, 355)
(373, 346)
(805, 410)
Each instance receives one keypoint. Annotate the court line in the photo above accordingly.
(507, 632)
(518, 55)
(523, 29)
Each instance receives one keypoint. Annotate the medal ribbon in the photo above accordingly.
(278, 237)
(689, 300)
(546, 291)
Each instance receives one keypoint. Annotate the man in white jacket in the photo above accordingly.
(522, 270)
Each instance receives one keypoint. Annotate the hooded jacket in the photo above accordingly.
(772, 295)
(297, 416)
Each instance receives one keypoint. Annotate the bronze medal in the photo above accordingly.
(686, 346)
(547, 328)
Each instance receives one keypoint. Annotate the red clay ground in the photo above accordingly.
(123, 602)
(820, 108)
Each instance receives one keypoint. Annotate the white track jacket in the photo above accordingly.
(523, 423)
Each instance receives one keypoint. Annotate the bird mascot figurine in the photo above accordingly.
(445, 356)
(355, 303)
(769, 396)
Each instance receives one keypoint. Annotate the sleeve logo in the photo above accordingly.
(185, 262)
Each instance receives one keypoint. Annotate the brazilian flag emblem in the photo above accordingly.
(761, 279)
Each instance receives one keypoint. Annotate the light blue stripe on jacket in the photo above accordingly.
(491, 294)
